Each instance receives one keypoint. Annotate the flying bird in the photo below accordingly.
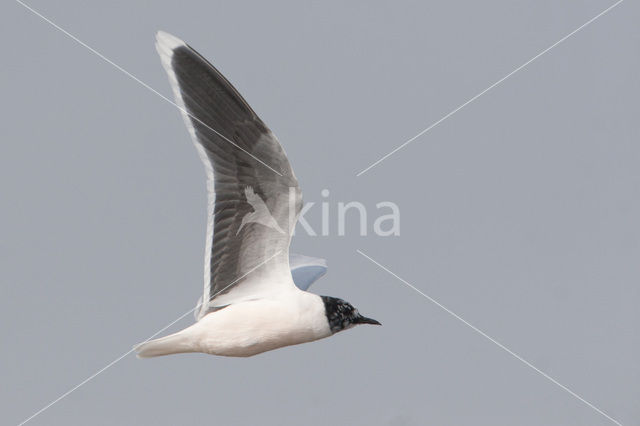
(255, 297)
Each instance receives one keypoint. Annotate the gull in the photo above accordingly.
(254, 297)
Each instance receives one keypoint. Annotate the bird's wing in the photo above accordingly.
(238, 151)
(306, 270)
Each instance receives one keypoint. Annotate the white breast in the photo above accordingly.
(252, 327)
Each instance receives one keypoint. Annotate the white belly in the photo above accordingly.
(252, 327)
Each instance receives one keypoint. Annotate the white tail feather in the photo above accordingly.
(172, 344)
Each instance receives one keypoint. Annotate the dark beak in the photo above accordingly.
(365, 320)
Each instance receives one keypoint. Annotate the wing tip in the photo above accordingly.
(163, 38)
(165, 45)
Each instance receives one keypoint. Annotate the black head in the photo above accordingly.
(341, 315)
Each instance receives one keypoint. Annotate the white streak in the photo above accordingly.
(500, 345)
(165, 45)
(488, 88)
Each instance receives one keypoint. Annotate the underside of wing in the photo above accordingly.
(254, 198)
(306, 270)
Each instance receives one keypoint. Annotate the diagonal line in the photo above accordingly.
(115, 361)
(145, 85)
(488, 88)
(500, 345)
(94, 375)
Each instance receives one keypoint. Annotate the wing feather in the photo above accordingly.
(238, 151)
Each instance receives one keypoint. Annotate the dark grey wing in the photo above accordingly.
(254, 198)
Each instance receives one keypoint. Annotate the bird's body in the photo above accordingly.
(254, 297)
(252, 327)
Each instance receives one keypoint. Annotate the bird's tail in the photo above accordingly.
(173, 344)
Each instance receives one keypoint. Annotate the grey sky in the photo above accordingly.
(519, 213)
